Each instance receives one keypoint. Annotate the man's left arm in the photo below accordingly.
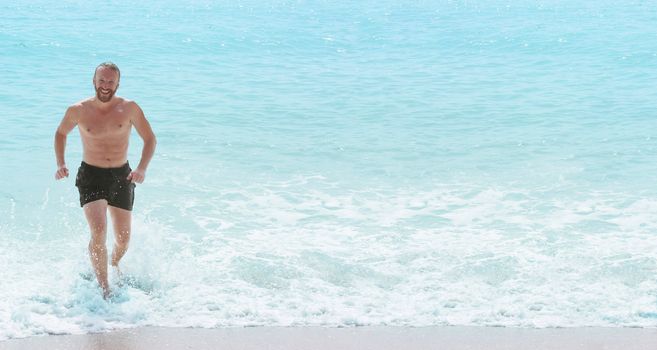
(144, 130)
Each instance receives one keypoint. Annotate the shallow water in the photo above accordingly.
(340, 164)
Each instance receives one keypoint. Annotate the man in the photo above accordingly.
(104, 179)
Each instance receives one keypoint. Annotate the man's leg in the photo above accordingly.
(121, 220)
(96, 213)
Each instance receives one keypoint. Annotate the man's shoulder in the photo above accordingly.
(74, 110)
(128, 103)
(80, 104)
(131, 105)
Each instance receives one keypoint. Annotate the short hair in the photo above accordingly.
(110, 65)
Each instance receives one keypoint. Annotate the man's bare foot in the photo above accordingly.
(106, 293)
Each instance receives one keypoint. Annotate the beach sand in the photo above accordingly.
(361, 338)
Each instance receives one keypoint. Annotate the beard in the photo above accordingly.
(104, 97)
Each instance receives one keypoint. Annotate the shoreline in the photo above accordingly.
(361, 338)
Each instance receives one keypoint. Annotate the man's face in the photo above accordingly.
(106, 82)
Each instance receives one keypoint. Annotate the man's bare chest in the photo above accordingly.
(109, 125)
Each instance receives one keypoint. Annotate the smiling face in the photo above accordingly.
(106, 82)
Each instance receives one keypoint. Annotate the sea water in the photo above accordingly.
(341, 163)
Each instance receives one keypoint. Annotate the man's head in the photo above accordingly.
(106, 81)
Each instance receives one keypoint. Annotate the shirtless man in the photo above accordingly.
(105, 180)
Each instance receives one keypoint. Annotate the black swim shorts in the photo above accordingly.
(111, 184)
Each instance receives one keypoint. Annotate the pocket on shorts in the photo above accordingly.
(125, 176)
(80, 178)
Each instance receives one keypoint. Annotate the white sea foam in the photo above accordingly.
(468, 258)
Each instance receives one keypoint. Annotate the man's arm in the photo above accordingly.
(144, 130)
(68, 123)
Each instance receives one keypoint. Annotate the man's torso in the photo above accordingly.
(105, 134)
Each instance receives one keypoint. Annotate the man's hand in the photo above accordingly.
(137, 176)
(62, 172)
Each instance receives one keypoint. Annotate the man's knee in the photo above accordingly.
(98, 230)
(123, 238)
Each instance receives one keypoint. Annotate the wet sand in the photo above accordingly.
(360, 338)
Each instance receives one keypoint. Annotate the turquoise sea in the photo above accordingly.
(341, 163)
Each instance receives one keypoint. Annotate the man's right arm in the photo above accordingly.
(69, 121)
